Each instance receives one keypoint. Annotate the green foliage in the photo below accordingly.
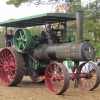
(92, 23)
(86, 36)
(16, 3)
(73, 8)
(2, 38)
(36, 29)
(33, 30)
(97, 46)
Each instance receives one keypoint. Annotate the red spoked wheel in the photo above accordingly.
(11, 67)
(56, 78)
(89, 76)
(38, 79)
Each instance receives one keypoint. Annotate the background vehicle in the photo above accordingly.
(42, 56)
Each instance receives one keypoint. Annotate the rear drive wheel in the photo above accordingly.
(11, 66)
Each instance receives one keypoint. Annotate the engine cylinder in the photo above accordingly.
(75, 51)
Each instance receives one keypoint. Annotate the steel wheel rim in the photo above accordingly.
(7, 66)
(92, 75)
(56, 83)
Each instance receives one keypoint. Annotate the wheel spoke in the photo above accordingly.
(85, 83)
(18, 39)
(12, 68)
(5, 79)
(23, 45)
(51, 69)
(3, 57)
(11, 74)
(24, 40)
(89, 84)
(8, 53)
(92, 82)
(57, 85)
(21, 36)
(20, 45)
(94, 79)
(50, 74)
(9, 57)
(24, 37)
(60, 83)
(1, 60)
(54, 86)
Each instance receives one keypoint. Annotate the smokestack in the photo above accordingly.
(79, 20)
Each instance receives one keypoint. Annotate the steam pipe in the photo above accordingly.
(79, 20)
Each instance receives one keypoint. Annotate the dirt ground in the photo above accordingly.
(27, 90)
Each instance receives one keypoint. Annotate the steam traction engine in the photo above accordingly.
(41, 56)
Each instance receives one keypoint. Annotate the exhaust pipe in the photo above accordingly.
(79, 20)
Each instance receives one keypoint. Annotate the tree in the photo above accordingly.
(70, 8)
(92, 23)
(16, 3)
(36, 29)
(2, 37)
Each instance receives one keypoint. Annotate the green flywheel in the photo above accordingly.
(22, 40)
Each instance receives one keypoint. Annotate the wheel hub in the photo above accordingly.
(6, 66)
(88, 76)
(56, 78)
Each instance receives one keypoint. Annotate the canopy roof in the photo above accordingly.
(40, 19)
